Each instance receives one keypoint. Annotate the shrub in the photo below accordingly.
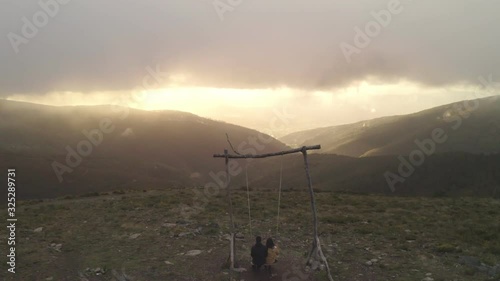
(90, 194)
(446, 248)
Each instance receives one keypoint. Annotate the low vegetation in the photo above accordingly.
(142, 236)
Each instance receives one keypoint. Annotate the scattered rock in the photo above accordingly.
(469, 261)
(135, 236)
(369, 263)
(193, 253)
(479, 266)
(49, 278)
(168, 263)
(56, 247)
(94, 271)
(428, 279)
(494, 270)
(314, 264)
(99, 271)
(82, 276)
(241, 269)
(239, 236)
(121, 276)
(38, 230)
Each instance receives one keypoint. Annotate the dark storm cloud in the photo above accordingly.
(106, 45)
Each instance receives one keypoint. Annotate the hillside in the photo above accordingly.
(473, 131)
(134, 149)
(447, 174)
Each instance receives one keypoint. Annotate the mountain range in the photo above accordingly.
(58, 151)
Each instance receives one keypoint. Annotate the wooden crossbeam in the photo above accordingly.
(301, 149)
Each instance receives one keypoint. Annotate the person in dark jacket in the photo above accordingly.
(259, 254)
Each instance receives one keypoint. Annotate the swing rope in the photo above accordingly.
(279, 197)
(248, 201)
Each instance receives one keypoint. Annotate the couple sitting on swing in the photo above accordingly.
(264, 255)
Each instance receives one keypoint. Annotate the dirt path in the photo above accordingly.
(287, 269)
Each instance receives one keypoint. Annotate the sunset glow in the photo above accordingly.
(254, 107)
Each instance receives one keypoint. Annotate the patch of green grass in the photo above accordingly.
(339, 219)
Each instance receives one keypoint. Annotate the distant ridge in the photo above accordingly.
(146, 149)
(473, 131)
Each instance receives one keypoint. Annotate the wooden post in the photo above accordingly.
(316, 252)
(228, 190)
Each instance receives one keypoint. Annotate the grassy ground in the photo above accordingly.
(408, 237)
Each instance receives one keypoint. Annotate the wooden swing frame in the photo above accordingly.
(316, 254)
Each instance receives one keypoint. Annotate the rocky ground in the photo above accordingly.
(143, 236)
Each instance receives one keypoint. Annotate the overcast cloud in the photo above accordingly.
(105, 45)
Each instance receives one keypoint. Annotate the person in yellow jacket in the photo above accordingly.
(272, 252)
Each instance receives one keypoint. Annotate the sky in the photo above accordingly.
(249, 61)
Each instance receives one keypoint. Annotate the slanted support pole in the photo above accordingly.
(316, 254)
(232, 254)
